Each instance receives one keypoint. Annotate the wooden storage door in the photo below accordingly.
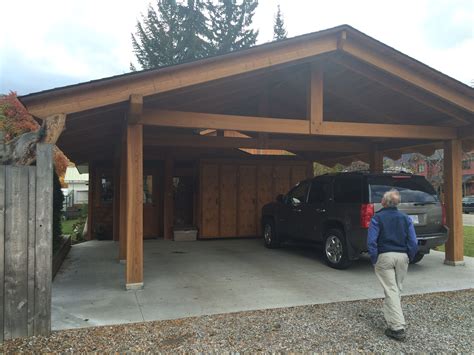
(228, 201)
(265, 189)
(298, 173)
(210, 200)
(247, 201)
(281, 175)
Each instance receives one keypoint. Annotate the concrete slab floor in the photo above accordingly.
(184, 279)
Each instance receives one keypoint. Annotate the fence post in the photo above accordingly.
(2, 249)
(44, 239)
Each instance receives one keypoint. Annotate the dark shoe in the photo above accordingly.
(395, 334)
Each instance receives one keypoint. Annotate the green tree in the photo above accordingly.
(230, 24)
(174, 32)
(279, 30)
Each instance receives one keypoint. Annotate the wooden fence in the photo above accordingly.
(26, 212)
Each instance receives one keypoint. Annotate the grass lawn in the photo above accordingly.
(67, 226)
(468, 241)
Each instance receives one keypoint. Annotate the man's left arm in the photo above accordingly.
(412, 244)
(372, 237)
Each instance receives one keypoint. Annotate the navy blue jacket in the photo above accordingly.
(391, 231)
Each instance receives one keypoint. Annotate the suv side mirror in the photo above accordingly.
(280, 198)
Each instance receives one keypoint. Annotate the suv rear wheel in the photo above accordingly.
(335, 249)
(270, 238)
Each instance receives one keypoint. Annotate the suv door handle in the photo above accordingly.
(320, 210)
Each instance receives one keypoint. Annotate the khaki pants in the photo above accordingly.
(391, 269)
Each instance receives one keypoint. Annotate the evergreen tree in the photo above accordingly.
(279, 31)
(173, 33)
(230, 23)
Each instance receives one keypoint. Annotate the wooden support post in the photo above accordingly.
(315, 98)
(168, 205)
(454, 254)
(90, 200)
(123, 200)
(134, 216)
(375, 160)
(116, 201)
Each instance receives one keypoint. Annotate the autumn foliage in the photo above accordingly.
(15, 120)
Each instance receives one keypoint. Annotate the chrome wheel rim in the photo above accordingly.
(267, 234)
(333, 249)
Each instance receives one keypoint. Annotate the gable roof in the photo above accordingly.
(116, 89)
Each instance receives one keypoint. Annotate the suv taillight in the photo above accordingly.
(367, 211)
(443, 209)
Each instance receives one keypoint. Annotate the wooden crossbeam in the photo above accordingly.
(288, 126)
(198, 141)
(226, 122)
(406, 73)
(135, 108)
(379, 130)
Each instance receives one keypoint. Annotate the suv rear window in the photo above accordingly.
(348, 189)
(412, 189)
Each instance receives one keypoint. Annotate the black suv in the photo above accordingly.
(335, 210)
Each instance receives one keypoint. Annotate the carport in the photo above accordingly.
(242, 127)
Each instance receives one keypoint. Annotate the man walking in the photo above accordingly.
(392, 244)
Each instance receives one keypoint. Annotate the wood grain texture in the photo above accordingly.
(315, 97)
(31, 247)
(134, 265)
(375, 160)
(265, 189)
(16, 256)
(454, 251)
(228, 201)
(209, 200)
(180, 119)
(2, 250)
(168, 205)
(44, 235)
(247, 195)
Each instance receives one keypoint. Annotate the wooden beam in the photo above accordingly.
(123, 200)
(409, 75)
(378, 130)
(262, 142)
(180, 76)
(226, 122)
(315, 98)
(168, 205)
(135, 108)
(406, 90)
(454, 254)
(375, 159)
(134, 215)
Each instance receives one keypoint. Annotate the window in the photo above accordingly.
(298, 194)
(411, 188)
(466, 164)
(148, 189)
(106, 189)
(421, 168)
(348, 189)
(319, 192)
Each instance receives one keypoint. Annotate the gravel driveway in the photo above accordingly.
(439, 322)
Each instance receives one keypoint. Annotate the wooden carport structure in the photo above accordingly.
(332, 96)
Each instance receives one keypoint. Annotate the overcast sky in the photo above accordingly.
(50, 43)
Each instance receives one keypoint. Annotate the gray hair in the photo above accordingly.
(391, 198)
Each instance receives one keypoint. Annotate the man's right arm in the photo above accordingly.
(372, 237)
(412, 245)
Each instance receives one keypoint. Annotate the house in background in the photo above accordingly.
(432, 168)
(77, 190)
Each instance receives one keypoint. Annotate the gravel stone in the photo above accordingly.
(437, 322)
